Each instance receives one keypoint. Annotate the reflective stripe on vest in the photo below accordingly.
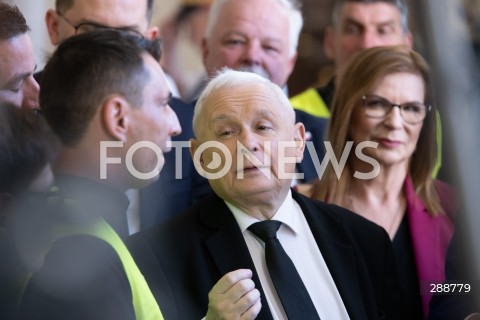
(144, 303)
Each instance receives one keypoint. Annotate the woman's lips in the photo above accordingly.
(389, 143)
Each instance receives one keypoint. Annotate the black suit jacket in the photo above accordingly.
(197, 248)
(316, 127)
(458, 269)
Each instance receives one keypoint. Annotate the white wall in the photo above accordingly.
(34, 11)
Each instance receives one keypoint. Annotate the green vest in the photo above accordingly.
(311, 102)
(144, 303)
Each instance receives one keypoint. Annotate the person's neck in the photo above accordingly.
(261, 207)
(387, 183)
(71, 162)
(381, 199)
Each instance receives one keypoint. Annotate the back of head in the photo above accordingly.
(27, 145)
(12, 22)
(292, 7)
(399, 4)
(86, 69)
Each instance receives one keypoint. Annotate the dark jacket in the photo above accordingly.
(195, 249)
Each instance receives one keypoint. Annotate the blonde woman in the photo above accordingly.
(384, 97)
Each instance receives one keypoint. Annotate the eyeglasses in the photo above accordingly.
(378, 107)
(86, 27)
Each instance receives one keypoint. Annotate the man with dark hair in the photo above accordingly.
(356, 25)
(106, 96)
(17, 61)
(171, 193)
(72, 17)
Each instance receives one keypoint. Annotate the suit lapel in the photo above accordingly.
(227, 246)
(338, 255)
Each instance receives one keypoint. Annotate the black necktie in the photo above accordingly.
(292, 292)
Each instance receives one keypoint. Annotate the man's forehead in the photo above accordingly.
(114, 13)
(157, 75)
(259, 13)
(232, 113)
(225, 101)
(375, 11)
(16, 58)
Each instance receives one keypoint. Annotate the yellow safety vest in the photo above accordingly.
(310, 102)
(144, 303)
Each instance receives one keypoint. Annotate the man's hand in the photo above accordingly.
(234, 297)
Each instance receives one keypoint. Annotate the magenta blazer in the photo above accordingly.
(430, 236)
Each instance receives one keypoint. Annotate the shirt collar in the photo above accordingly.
(94, 198)
(288, 213)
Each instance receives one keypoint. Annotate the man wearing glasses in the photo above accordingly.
(72, 17)
(75, 17)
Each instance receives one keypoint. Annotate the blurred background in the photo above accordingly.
(182, 23)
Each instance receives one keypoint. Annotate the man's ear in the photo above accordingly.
(51, 20)
(299, 137)
(328, 43)
(198, 159)
(204, 51)
(291, 63)
(408, 40)
(194, 145)
(115, 115)
(152, 33)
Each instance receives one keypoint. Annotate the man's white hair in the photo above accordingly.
(227, 78)
(295, 20)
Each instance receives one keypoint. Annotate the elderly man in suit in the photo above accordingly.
(213, 255)
(261, 36)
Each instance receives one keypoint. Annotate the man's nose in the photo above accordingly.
(370, 39)
(31, 90)
(249, 141)
(174, 124)
(253, 53)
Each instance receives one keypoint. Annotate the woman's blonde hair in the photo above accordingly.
(360, 76)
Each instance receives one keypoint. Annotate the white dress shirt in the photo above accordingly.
(298, 242)
(133, 211)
